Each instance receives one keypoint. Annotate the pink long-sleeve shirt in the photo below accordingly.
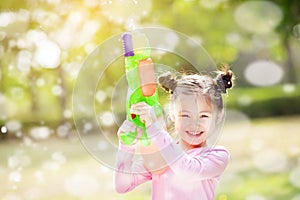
(192, 174)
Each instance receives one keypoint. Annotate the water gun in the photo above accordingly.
(141, 86)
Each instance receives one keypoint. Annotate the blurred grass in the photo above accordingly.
(46, 178)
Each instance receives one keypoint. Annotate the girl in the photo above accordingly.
(190, 169)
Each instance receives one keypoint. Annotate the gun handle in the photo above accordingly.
(147, 77)
(128, 138)
(144, 138)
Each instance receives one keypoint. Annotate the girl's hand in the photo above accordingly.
(126, 127)
(145, 111)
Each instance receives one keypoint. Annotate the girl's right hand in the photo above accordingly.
(127, 126)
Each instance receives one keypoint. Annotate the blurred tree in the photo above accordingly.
(291, 17)
(207, 23)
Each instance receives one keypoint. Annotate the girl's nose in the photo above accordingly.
(197, 125)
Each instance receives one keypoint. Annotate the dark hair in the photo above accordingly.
(197, 83)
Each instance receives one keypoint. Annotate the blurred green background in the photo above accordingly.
(45, 42)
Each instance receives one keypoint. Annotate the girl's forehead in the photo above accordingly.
(192, 102)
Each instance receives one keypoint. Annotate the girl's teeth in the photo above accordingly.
(194, 133)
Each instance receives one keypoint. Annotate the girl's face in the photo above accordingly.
(193, 117)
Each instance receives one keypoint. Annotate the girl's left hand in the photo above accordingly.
(145, 111)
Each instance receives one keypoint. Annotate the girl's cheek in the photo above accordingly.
(206, 123)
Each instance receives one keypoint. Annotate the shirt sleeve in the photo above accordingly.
(128, 172)
(210, 164)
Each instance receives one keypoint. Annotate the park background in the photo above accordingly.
(44, 44)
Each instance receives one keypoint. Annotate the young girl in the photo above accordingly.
(190, 168)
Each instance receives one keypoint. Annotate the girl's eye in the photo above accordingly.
(184, 115)
(204, 116)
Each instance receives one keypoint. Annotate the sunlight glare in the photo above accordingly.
(7, 18)
(47, 54)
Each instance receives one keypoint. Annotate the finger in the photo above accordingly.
(146, 119)
(129, 123)
(127, 126)
(142, 103)
(139, 111)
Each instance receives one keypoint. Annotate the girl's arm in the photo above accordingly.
(128, 173)
(210, 165)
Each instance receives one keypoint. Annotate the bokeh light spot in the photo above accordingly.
(58, 157)
(13, 125)
(120, 10)
(81, 185)
(289, 88)
(259, 17)
(40, 133)
(18, 160)
(263, 73)
(244, 100)
(270, 161)
(211, 4)
(47, 54)
(7, 18)
(255, 197)
(63, 130)
(3, 129)
(24, 61)
(100, 96)
(234, 119)
(295, 177)
(57, 90)
(107, 118)
(15, 176)
(68, 114)
(296, 31)
(40, 82)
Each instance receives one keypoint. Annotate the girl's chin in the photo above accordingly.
(194, 141)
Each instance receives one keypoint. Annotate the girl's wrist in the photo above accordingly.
(154, 128)
(127, 148)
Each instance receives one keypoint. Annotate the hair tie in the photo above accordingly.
(224, 79)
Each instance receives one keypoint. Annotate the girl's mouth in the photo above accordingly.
(195, 133)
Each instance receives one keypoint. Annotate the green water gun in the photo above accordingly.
(141, 86)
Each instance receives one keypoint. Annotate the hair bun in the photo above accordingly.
(224, 79)
(167, 82)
